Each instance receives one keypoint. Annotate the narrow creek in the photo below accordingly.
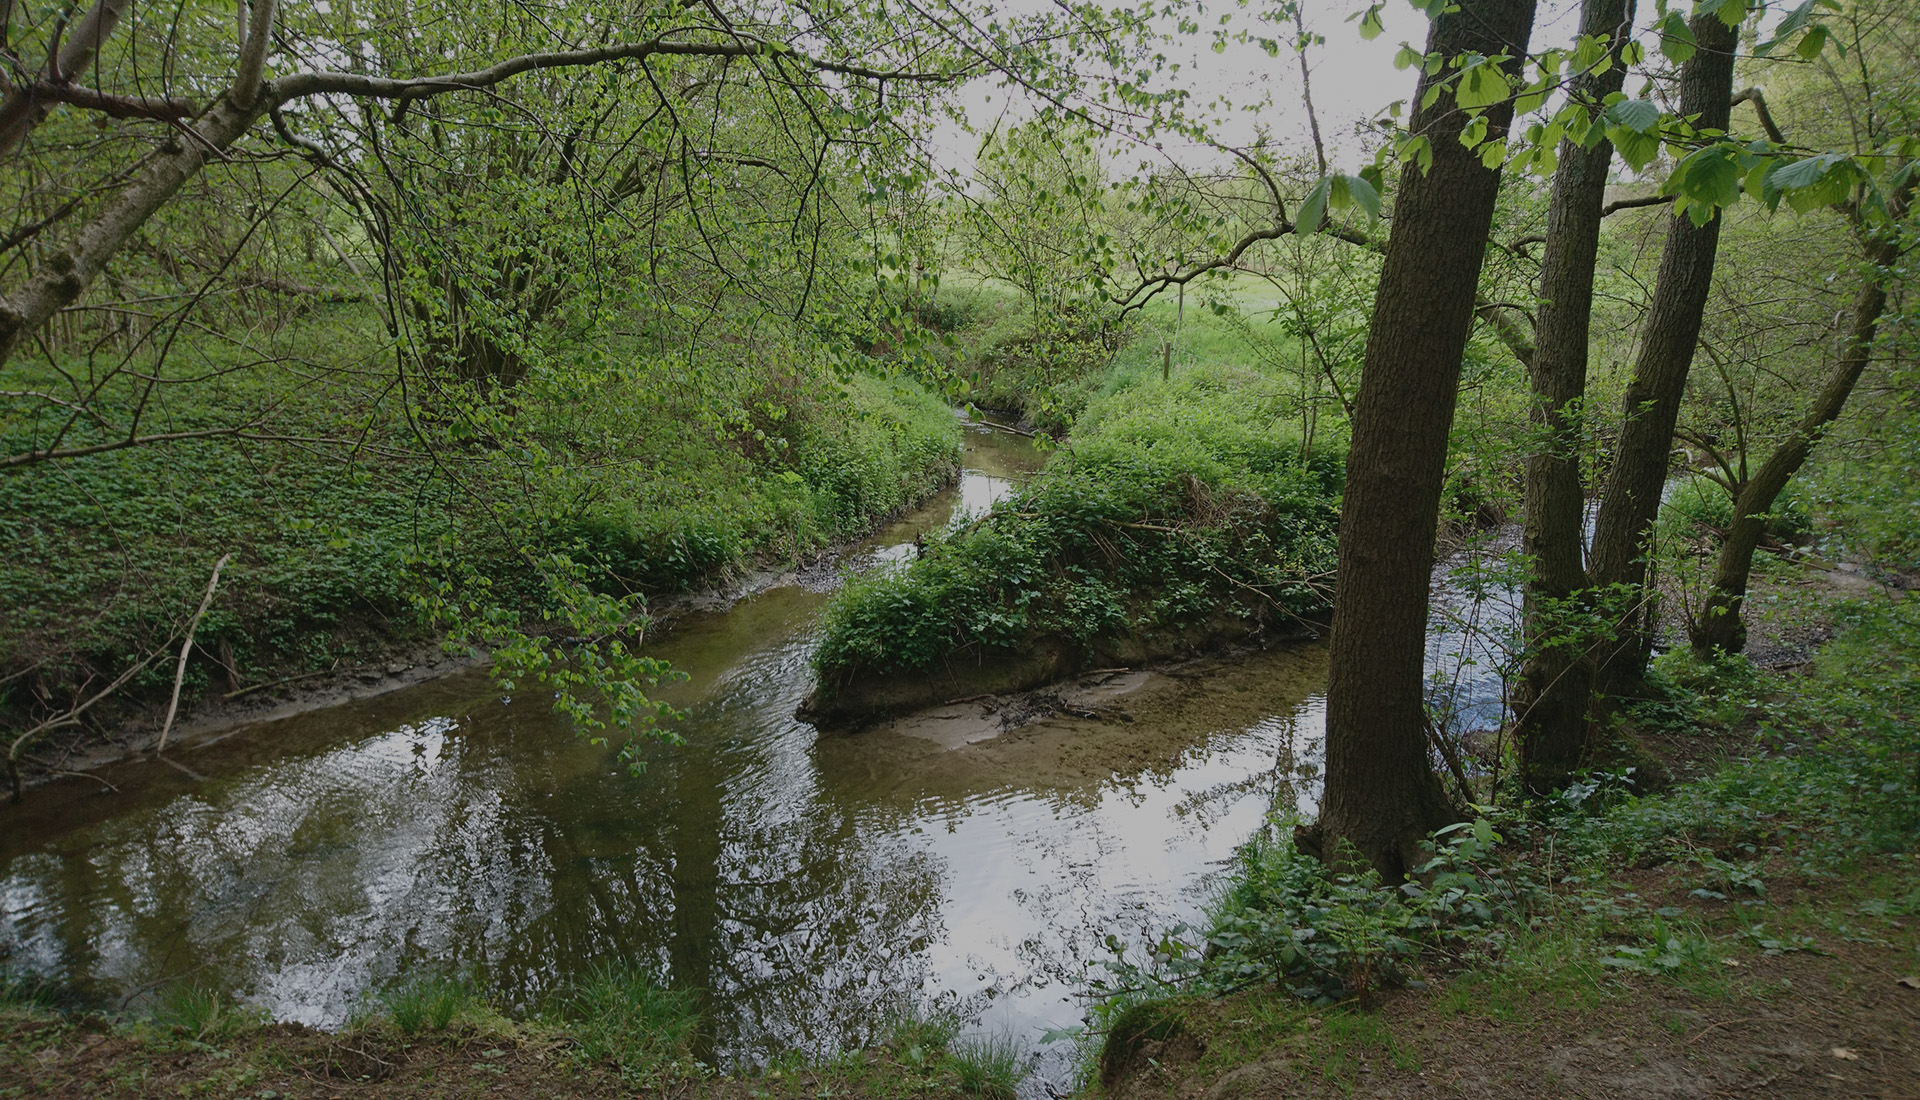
(809, 883)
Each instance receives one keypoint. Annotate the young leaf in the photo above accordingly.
(1370, 25)
(1313, 208)
(1676, 39)
(1355, 190)
(1635, 114)
(1482, 85)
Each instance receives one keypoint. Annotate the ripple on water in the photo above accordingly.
(808, 884)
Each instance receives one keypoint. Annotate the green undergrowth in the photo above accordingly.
(642, 479)
(1177, 503)
(1803, 841)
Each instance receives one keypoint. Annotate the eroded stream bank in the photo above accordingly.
(811, 885)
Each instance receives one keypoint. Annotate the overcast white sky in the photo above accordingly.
(1353, 80)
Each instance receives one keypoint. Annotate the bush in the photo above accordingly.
(1697, 505)
(1178, 504)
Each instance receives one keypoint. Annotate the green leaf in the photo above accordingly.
(1706, 177)
(1407, 57)
(1483, 832)
(1370, 25)
(1482, 85)
(1417, 150)
(1474, 132)
(1801, 173)
(1811, 45)
(1636, 148)
(1731, 12)
(1313, 208)
(1796, 19)
(1348, 191)
(1493, 153)
(1676, 39)
(1638, 115)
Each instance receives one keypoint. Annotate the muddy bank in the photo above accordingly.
(856, 698)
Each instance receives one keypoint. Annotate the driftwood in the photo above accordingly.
(186, 648)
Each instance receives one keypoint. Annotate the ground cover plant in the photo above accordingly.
(1800, 847)
(344, 527)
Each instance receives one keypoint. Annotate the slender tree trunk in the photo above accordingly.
(1645, 448)
(1381, 793)
(1721, 626)
(1556, 684)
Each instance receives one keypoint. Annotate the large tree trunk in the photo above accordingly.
(1382, 796)
(61, 278)
(1556, 684)
(1721, 626)
(1645, 447)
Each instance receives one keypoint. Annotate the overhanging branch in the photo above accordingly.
(298, 85)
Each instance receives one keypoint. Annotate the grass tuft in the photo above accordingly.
(620, 1016)
(986, 1066)
(434, 1002)
(201, 1014)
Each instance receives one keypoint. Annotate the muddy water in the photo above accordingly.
(808, 884)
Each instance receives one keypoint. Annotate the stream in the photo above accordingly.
(812, 885)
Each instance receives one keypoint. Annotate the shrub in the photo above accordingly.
(1179, 503)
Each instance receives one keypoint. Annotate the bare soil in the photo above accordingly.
(84, 1058)
(1840, 1018)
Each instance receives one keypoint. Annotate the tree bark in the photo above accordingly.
(21, 111)
(1721, 626)
(1382, 796)
(1550, 701)
(1645, 447)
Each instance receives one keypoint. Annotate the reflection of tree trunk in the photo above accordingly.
(1721, 626)
(1381, 793)
(1550, 701)
(1622, 536)
(693, 837)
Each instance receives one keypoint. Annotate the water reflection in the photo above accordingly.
(807, 885)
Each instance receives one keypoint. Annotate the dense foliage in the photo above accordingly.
(1177, 505)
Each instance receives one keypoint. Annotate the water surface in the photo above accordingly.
(809, 884)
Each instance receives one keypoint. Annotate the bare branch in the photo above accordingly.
(160, 108)
(253, 53)
(1753, 96)
(193, 624)
(1618, 205)
(28, 458)
(354, 84)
